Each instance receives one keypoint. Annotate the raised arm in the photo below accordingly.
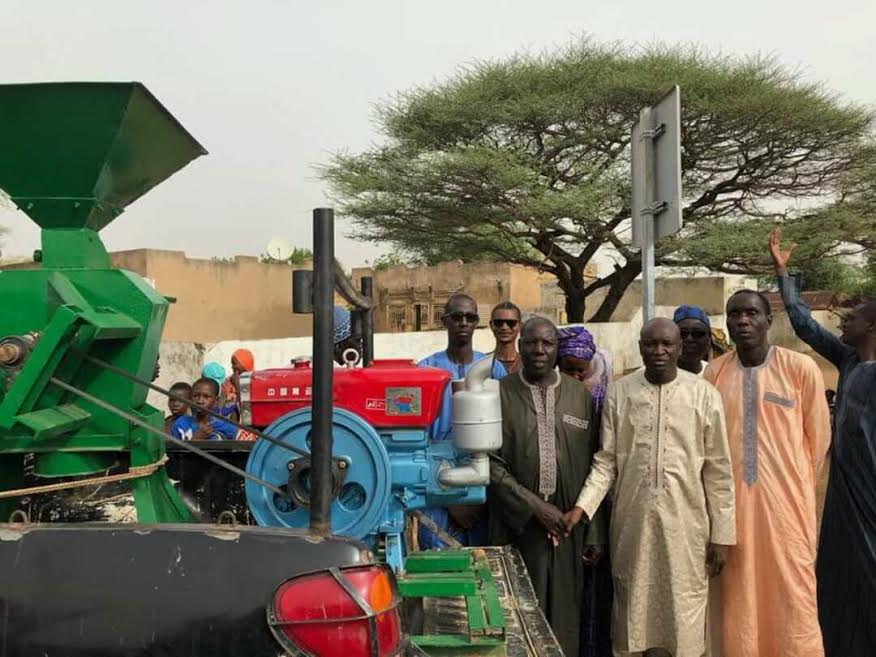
(807, 329)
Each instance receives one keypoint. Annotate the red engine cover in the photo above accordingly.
(389, 393)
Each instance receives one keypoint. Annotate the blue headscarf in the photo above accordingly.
(692, 312)
(343, 329)
(215, 371)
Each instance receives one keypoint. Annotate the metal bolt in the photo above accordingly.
(8, 354)
(342, 465)
(290, 466)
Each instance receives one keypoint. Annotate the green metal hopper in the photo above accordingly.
(72, 157)
(75, 155)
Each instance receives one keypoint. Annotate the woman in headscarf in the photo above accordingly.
(241, 361)
(579, 357)
(213, 370)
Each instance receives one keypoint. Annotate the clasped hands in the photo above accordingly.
(559, 525)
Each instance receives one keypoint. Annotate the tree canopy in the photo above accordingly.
(526, 160)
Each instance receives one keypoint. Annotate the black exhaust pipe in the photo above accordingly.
(323, 364)
(367, 289)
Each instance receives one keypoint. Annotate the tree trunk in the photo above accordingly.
(575, 306)
(616, 290)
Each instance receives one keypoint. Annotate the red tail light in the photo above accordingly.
(338, 613)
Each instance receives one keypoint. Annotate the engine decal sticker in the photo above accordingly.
(403, 401)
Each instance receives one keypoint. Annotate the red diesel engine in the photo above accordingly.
(383, 461)
(388, 393)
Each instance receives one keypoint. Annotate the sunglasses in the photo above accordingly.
(471, 318)
(696, 334)
(499, 323)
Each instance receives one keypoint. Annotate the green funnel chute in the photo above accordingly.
(74, 155)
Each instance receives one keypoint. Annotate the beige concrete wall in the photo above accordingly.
(708, 292)
(399, 289)
(526, 286)
(220, 300)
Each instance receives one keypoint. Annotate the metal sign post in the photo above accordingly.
(656, 184)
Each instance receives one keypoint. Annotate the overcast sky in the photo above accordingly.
(272, 87)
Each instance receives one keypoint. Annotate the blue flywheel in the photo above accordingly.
(365, 484)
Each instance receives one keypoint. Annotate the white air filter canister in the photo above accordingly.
(477, 418)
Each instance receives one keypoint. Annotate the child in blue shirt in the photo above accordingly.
(177, 408)
(201, 425)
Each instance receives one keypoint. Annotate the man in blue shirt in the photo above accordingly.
(467, 524)
(201, 425)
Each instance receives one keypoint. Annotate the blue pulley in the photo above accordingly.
(361, 473)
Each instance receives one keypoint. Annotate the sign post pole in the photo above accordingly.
(656, 184)
(647, 219)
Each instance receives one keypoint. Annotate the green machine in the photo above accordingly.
(79, 341)
(72, 157)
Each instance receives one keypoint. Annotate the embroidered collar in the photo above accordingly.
(766, 361)
(557, 380)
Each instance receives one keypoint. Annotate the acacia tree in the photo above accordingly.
(526, 160)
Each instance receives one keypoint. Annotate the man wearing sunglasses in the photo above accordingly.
(696, 348)
(467, 524)
(696, 338)
(505, 324)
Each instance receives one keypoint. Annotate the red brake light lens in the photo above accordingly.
(339, 613)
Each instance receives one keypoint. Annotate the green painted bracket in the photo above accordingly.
(486, 608)
(40, 365)
(438, 561)
(74, 323)
(109, 324)
(54, 422)
(459, 644)
(453, 574)
(438, 585)
(25, 444)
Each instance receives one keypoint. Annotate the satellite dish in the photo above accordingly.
(279, 249)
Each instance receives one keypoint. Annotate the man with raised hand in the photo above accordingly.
(846, 564)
